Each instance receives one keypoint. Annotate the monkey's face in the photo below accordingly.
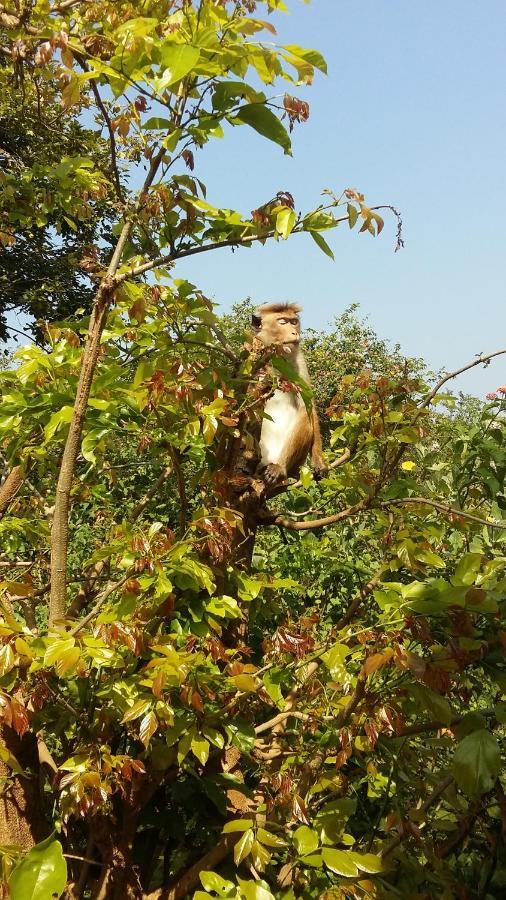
(280, 328)
(288, 329)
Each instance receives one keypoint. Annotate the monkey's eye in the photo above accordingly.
(283, 321)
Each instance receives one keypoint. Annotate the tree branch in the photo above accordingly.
(115, 586)
(358, 600)
(431, 800)
(9, 488)
(317, 523)
(481, 360)
(184, 883)
(103, 299)
(107, 119)
(141, 506)
(443, 507)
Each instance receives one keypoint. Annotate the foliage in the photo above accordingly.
(326, 719)
(41, 275)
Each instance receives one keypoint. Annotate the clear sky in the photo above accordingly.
(411, 113)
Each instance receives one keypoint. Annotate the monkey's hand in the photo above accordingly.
(272, 474)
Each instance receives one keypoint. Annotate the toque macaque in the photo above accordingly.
(290, 433)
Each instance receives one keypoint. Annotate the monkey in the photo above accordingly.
(289, 433)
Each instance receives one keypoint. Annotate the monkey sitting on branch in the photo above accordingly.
(289, 432)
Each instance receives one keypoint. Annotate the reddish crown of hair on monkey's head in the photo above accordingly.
(278, 308)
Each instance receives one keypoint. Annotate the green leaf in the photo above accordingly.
(57, 649)
(137, 710)
(368, 862)
(334, 659)
(430, 700)
(477, 763)
(176, 61)
(139, 27)
(237, 825)
(340, 861)
(62, 417)
(285, 222)
(243, 847)
(322, 243)
(241, 734)
(263, 120)
(10, 760)
(352, 215)
(269, 839)
(500, 713)
(156, 123)
(41, 874)
(231, 90)
(213, 882)
(467, 569)
(255, 890)
(306, 840)
(200, 749)
(272, 680)
(314, 57)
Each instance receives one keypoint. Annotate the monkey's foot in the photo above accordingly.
(320, 470)
(272, 474)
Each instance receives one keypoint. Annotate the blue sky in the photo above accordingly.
(411, 113)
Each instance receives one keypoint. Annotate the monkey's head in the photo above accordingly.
(277, 323)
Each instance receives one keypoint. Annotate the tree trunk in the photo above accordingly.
(22, 818)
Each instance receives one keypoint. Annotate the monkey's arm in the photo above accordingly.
(319, 465)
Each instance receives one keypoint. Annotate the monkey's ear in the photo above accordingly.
(256, 321)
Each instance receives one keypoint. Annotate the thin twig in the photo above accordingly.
(431, 800)
(482, 359)
(114, 586)
(443, 507)
(141, 506)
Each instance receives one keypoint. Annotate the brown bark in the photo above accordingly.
(60, 528)
(22, 819)
(10, 487)
(184, 884)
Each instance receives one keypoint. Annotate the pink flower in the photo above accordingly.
(502, 389)
(491, 396)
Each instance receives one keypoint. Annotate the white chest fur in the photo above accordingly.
(284, 410)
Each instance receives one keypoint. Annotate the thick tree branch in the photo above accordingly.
(60, 529)
(141, 506)
(184, 883)
(318, 523)
(9, 488)
(436, 725)
(166, 259)
(446, 848)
